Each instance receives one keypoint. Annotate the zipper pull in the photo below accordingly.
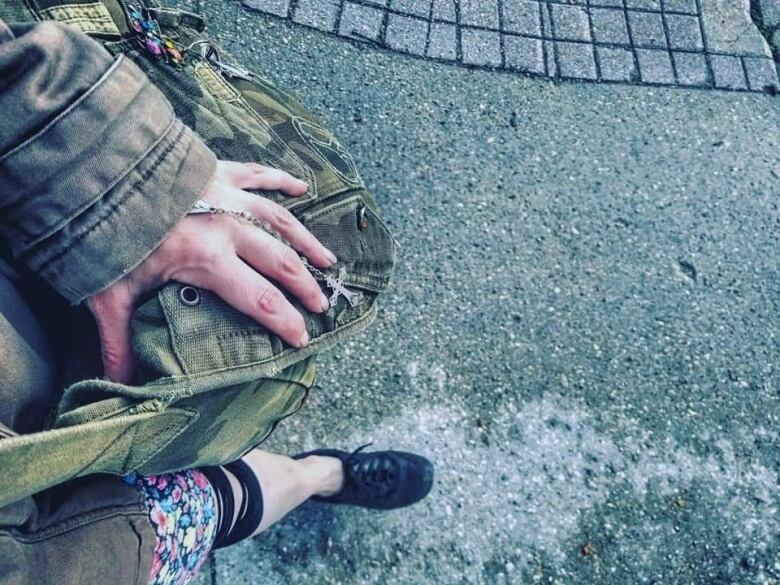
(210, 55)
(231, 70)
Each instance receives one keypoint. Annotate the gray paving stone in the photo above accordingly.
(761, 74)
(687, 6)
(522, 16)
(576, 60)
(684, 32)
(443, 41)
(644, 4)
(546, 20)
(444, 10)
(483, 13)
(570, 23)
(728, 72)
(480, 47)
(617, 64)
(524, 54)
(691, 69)
(610, 3)
(655, 66)
(549, 52)
(560, 38)
(729, 28)
(647, 29)
(407, 34)
(320, 14)
(413, 7)
(360, 21)
(277, 7)
(609, 26)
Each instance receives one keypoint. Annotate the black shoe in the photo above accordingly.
(382, 480)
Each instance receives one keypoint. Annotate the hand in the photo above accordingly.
(227, 256)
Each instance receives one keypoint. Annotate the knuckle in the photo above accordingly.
(255, 167)
(289, 263)
(270, 300)
(283, 219)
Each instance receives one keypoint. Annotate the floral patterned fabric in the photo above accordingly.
(182, 512)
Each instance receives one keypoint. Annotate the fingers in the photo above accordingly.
(279, 262)
(287, 225)
(112, 310)
(247, 291)
(255, 176)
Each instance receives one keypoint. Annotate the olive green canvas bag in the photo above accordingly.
(212, 382)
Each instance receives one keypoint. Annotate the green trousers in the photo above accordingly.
(91, 529)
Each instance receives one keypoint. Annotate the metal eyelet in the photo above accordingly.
(189, 295)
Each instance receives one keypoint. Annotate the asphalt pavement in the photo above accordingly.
(582, 334)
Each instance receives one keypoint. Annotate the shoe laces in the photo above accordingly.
(366, 481)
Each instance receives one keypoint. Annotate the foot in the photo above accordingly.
(382, 480)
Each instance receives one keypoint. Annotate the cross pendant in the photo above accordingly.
(337, 285)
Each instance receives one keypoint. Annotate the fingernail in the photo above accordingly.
(324, 302)
(304, 184)
(331, 256)
(304, 339)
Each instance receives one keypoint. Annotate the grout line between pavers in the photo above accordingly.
(632, 44)
(668, 37)
(458, 39)
(501, 35)
(339, 14)
(707, 60)
(596, 58)
(744, 71)
(430, 29)
(292, 9)
(544, 45)
(556, 58)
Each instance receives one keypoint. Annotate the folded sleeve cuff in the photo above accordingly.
(124, 227)
(100, 186)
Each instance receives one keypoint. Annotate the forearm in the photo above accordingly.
(95, 169)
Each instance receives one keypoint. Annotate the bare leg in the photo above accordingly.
(287, 483)
(381, 480)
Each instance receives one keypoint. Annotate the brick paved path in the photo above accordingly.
(655, 42)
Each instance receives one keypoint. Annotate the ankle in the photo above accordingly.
(325, 475)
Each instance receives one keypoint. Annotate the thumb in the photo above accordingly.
(112, 310)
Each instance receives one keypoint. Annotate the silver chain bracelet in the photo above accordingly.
(335, 284)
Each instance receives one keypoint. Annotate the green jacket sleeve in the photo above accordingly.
(95, 168)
